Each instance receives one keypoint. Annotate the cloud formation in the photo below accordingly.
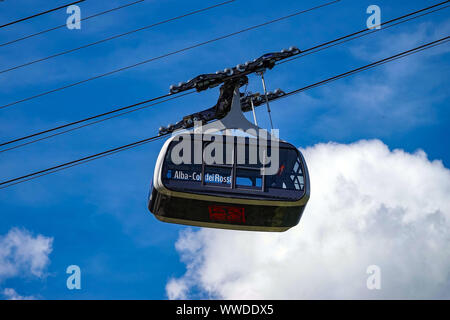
(22, 254)
(369, 206)
(11, 294)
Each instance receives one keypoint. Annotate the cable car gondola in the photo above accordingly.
(229, 189)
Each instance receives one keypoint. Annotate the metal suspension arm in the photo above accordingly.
(207, 81)
(222, 107)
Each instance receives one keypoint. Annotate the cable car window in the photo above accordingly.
(241, 174)
(188, 171)
(216, 175)
(247, 153)
(220, 150)
(248, 178)
(289, 175)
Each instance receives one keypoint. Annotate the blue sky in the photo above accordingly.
(96, 213)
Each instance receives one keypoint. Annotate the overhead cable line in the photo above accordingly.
(39, 14)
(166, 55)
(83, 120)
(113, 37)
(304, 52)
(70, 164)
(64, 25)
(91, 123)
(364, 32)
(371, 65)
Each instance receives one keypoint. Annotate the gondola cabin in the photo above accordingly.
(229, 182)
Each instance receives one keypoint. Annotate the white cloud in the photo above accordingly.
(177, 289)
(22, 254)
(11, 294)
(368, 206)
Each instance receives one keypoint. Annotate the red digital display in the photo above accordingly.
(227, 214)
